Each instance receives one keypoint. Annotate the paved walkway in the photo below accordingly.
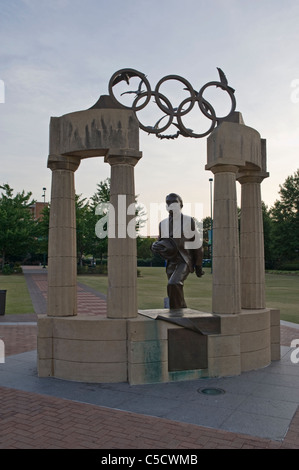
(258, 410)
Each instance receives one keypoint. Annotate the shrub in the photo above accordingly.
(7, 269)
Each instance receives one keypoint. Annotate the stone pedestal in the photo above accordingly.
(62, 256)
(122, 252)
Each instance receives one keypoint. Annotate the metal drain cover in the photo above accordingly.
(211, 391)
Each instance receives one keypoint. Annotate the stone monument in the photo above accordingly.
(143, 346)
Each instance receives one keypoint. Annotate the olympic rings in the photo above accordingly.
(226, 88)
(126, 74)
(182, 80)
(165, 105)
(169, 109)
(189, 132)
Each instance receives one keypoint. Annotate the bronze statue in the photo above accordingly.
(179, 243)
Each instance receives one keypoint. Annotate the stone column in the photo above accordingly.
(252, 241)
(226, 263)
(62, 256)
(122, 252)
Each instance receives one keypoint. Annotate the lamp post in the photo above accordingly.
(44, 195)
(211, 236)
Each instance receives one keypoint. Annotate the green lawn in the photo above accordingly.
(282, 291)
(17, 296)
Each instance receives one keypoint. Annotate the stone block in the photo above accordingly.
(275, 334)
(219, 346)
(123, 270)
(234, 144)
(254, 320)
(230, 324)
(97, 351)
(254, 340)
(90, 372)
(151, 372)
(45, 367)
(275, 316)
(90, 133)
(147, 351)
(62, 301)
(121, 301)
(44, 326)
(63, 211)
(143, 328)
(275, 352)
(66, 275)
(89, 328)
(122, 246)
(62, 242)
(224, 366)
(63, 185)
(44, 348)
(226, 297)
(255, 359)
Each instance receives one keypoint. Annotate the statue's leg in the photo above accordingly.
(175, 287)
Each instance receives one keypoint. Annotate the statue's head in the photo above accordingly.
(173, 199)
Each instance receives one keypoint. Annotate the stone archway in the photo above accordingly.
(126, 346)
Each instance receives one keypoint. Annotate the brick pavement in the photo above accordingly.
(89, 301)
(30, 420)
(34, 421)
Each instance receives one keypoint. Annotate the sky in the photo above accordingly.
(57, 57)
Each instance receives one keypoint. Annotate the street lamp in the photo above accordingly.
(44, 195)
(211, 236)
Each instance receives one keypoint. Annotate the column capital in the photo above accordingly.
(123, 157)
(222, 168)
(59, 162)
(251, 176)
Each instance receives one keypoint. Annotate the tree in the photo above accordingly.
(18, 234)
(268, 237)
(144, 247)
(285, 215)
(102, 196)
(43, 233)
(85, 228)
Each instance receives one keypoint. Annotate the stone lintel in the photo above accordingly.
(93, 132)
(232, 143)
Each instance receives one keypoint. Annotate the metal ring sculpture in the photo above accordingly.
(174, 115)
